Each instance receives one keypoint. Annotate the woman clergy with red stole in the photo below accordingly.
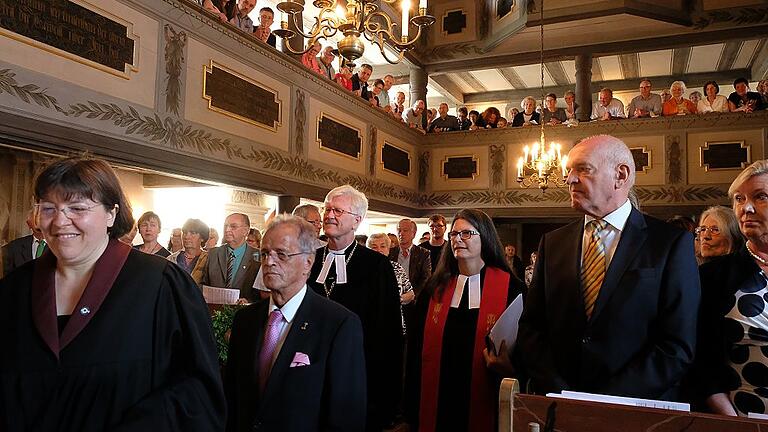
(96, 335)
(448, 386)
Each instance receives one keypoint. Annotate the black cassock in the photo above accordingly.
(137, 353)
(371, 292)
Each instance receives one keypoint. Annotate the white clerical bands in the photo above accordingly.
(474, 291)
(341, 267)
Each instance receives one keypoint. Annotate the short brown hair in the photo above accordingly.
(438, 218)
(147, 216)
(89, 178)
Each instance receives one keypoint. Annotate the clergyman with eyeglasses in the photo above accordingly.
(295, 360)
(364, 282)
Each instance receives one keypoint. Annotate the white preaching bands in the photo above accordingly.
(474, 291)
(336, 256)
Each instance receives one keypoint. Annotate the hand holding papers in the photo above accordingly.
(505, 329)
(220, 295)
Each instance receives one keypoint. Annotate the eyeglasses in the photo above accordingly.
(338, 212)
(232, 226)
(436, 226)
(464, 234)
(280, 255)
(713, 230)
(75, 211)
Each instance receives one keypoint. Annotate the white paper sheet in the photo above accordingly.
(506, 326)
(215, 295)
(619, 400)
(757, 416)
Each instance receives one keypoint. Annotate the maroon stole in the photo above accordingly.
(105, 273)
(482, 401)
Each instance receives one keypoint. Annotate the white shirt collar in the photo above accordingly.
(290, 307)
(617, 218)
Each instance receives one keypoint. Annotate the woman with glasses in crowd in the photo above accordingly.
(718, 233)
(731, 366)
(450, 387)
(96, 335)
(193, 258)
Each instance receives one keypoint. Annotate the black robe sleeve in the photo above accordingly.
(190, 396)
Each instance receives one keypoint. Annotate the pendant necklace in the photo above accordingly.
(329, 290)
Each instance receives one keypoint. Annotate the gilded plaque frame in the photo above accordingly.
(334, 151)
(381, 159)
(741, 143)
(475, 159)
(209, 68)
(645, 150)
(128, 68)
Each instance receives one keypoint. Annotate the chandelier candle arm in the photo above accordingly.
(404, 31)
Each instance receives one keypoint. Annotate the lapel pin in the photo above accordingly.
(85, 311)
(304, 326)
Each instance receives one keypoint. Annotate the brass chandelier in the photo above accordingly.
(353, 19)
(544, 168)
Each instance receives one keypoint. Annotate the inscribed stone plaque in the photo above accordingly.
(641, 157)
(235, 95)
(72, 28)
(396, 159)
(460, 167)
(725, 155)
(339, 137)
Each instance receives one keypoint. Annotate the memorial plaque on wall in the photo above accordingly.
(232, 94)
(396, 160)
(460, 167)
(642, 158)
(338, 137)
(71, 28)
(725, 155)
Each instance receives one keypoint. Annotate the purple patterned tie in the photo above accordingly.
(271, 336)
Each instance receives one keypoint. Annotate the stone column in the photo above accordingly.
(286, 203)
(584, 86)
(418, 84)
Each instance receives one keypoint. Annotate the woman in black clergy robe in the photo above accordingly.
(98, 336)
(448, 384)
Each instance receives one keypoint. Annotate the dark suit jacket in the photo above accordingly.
(329, 394)
(17, 253)
(215, 273)
(419, 266)
(641, 338)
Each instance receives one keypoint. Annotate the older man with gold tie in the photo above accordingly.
(614, 298)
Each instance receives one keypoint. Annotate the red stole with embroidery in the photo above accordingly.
(482, 402)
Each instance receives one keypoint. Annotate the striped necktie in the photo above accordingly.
(230, 267)
(593, 266)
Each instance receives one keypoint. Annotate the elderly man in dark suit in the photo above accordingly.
(415, 260)
(614, 299)
(23, 249)
(295, 360)
(233, 264)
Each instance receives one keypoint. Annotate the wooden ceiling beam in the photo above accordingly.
(448, 88)
(597, 50)
(760, 64)
(691, 81)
